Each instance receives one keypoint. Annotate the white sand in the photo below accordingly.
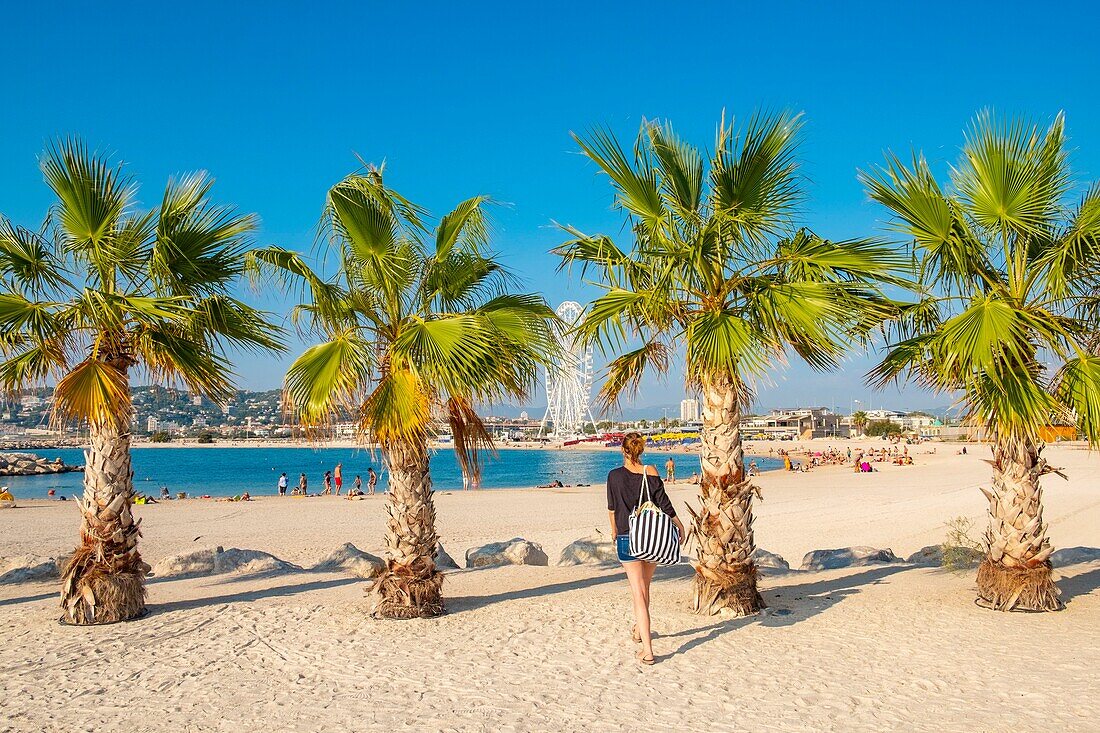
(532, 648)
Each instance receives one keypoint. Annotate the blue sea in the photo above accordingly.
(230, 471)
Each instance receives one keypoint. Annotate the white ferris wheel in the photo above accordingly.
(569, 379)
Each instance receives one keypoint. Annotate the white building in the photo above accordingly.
(908, 421)
(689, 410)
(794, 423)
(152, 425)
(196, 400)
(523, 415)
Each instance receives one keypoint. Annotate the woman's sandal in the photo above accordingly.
(646, 659)
(635, 635)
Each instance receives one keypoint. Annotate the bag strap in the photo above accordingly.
(645, 487)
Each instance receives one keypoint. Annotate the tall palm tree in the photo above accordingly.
(1008, 265)
(99, 291)
(859, 420)
(716, 265)
(415, 326)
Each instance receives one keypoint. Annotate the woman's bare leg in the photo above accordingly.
(639, 574)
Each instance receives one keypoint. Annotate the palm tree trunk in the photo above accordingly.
(104, 580)
(725, 573)
(410, 586)
(1016, 573)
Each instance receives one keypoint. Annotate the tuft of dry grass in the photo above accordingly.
(961, 549)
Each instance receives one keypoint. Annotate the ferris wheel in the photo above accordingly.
(569, 378)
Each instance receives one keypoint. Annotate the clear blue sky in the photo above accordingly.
(465, 98)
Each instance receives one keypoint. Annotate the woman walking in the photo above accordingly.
(624, 490)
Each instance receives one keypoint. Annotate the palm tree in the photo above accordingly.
(415, 328)
(859, 420)
(1006, 320)
(102, 290)
(716, 265)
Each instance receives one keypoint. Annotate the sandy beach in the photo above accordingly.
(883, 647)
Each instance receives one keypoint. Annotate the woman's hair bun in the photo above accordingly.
(633, 446)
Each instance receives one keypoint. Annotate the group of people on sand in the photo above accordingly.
(863, 462)
(333, 482)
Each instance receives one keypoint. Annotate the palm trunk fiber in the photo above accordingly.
(725, 572)
(1016, 573)
(410, 586)
(104, 580)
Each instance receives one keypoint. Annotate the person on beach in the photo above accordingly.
(283, 484)
(624, 491)
(327, 481)
(372, 480)
(338, 474)
(303, 484)
(670, 470)
(356, 487)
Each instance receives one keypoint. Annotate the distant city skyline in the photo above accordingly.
(482, 100)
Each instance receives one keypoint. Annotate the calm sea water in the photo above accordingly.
(230, 471)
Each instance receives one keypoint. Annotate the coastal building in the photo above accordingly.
(31, 402)
(152, 425)
(689, 410)
(914, 422)
(797, 423)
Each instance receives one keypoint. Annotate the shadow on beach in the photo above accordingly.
(252, 595)
(1079, 585)
(790, 604)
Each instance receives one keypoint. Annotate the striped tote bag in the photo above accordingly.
(653, 536)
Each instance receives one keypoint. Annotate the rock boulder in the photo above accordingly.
(846, 557)
(769, 560)
(1074, 555)
(25, 568)
(593, 550)
(350, 558)
(443, 561)
(516, 551)
(932, 556)
(217, 561)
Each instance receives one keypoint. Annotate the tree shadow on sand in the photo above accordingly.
(252, 595)
(28, 599)
(790, 604)
(1081, 584)
(461, 604)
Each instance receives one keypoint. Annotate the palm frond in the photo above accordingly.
(199, 247)
(94, 391)
(328, 379)
(681, 168)
(28, 261)
(1012, 177)
(467, 225)
(398, 409)
(93, 199)
(172, 356)
(625, 372)
(754, 180)
(724, 343)
(471, 437)
(1077, 385)
(637, 190)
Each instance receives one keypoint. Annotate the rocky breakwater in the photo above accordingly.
(28, 464)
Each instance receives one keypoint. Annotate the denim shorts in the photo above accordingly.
(622, 546)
